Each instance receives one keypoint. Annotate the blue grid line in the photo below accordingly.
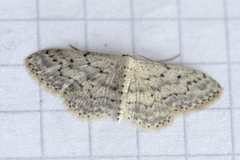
(229, 76)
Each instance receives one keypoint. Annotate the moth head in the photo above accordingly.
(129, 55)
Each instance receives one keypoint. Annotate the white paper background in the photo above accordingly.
(35, 125)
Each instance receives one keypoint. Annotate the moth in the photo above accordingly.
(94, 85)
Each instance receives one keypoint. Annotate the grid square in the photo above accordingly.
(234, 40)
(157, 40)
(18, 90)
(51, 102)
(203, 41)
(220, 157)
(21, 140)
(233, 10)
(110, 37)
(12, 9)
(64, 135)
(236, 130)
(70, 158)
(18, 40)
(155, 8)
(125, 158)
(59, 34)
(167, 141)
(219, 72)
(235, 85)
(209, 132)
(202, 8)
(19, 158)
(112, 139)
(104, 9)
(61, 9)
(162, 157)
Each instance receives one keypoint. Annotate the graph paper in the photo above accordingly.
(35, 125)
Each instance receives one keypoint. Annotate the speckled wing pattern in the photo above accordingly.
(150, 94)
(86, 81)
(159, 92)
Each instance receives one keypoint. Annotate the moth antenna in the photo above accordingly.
(73, 47)
(155, 61)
